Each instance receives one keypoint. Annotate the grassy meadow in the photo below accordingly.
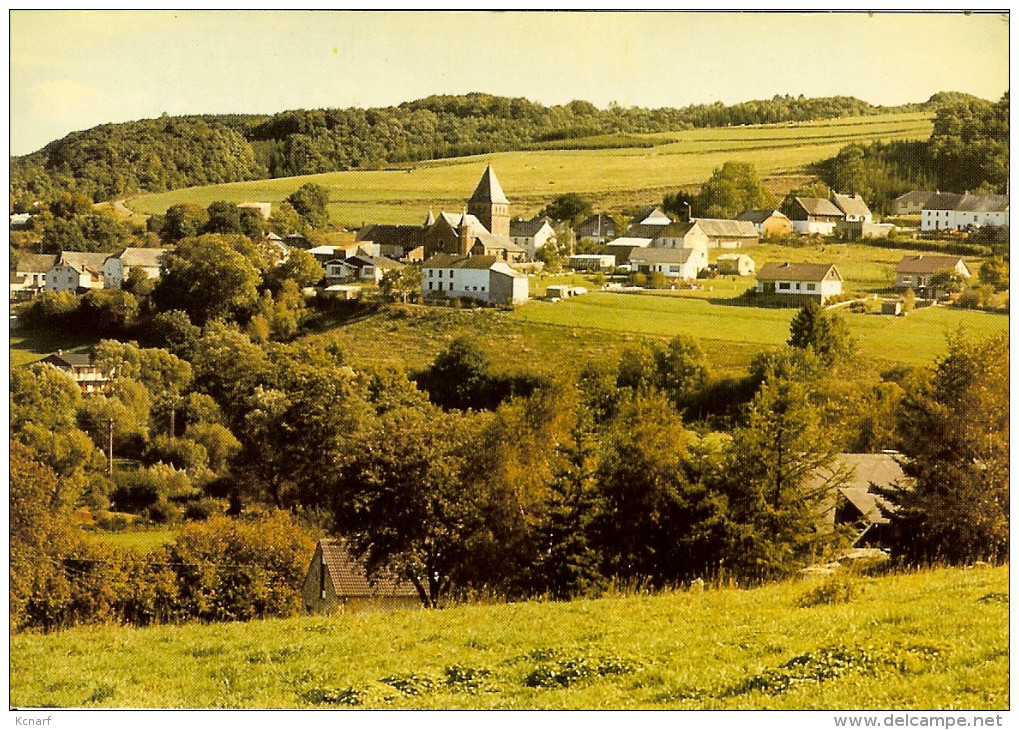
(629, 175)
(934, 640)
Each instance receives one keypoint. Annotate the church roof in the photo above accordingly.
(489, 190)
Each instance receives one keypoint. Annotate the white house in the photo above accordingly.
(738, 264)
(814, 280)
(117, 268)
(673, 263)
(723, 233)
(950, 211)
(914, 272)
(814, 215)
(76, 270)
(853, 207)
(485, 278)
(533, 234)
(28, 275)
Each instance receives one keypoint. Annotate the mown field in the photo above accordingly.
(935, 640)
(638, 175)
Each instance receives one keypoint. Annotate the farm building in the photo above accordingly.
(822, 281)
(28, 274)
(738, 264)
(337, 581)
(814, 215)
(117, 268)
(592, 261)
(263, 209)
(393, 240)
(75, 271)
(600, 226)
(485, 278)
(914, 272)
(564, 291)
(723, 233)
(854, 502)
(950, 211)
(912, 203)
(769, 223)
(852, 206)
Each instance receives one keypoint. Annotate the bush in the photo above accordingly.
(138, 490)
(161, 512)
(203, 509)
(836, 589)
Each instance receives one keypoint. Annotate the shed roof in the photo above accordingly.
(349, 577)
(773, 271)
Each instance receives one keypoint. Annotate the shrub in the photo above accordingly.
(836, 589)
(139, 489)
(202, 510)
(161, 512)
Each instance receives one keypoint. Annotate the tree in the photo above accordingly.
(409, 510)
(683, 368)
(300, 267)
(224, 217)
(730, 190)
(781, 471)
(946, 282)
(310, 201)
(954, 427)
(823, 332)
(403, 282)
(459, 377)
(108, 311)
(185, 220)
(207, 278)
(570, 207)
(995, 273)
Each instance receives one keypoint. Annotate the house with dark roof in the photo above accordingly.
(724, 233)
(80, 367)
(769, 223)
(600, 227)
(912, 203)
(337, 581)
(914, 272)
(533, 234)
(814, 215)
(820, 281)
(395, 241)
(953, 212)
(481, 277)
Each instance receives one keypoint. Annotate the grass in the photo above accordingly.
(30, 345)
(636, 174)
(934, 640)
(141, 540)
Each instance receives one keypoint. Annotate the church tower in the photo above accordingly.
(489, 204)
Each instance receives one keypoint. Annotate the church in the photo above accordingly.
(482, 229)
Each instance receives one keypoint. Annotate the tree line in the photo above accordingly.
(155, 155)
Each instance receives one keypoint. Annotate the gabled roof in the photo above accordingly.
(449, 261)
(387, 234)
(851, 204)
(926, 264)
(917, 197)
(35, 263)
(489, 190)
(646, 230)
(773, 271)
(863, 470)
(759, 216)
(69, 359)
(652, 215)
(630, 242)
(723, 228)
(453, 220)
(527, 229)
(942, 201)
(733, 257)
(595, 224)
(500, 267)
(379, 262)
(678, 230)
(350, 579)
(147, 257)
(983, 204)
(492, 242)
(84, 260)
(661, 255)
(819, 206)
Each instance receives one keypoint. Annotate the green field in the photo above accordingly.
(142, 540)
(637, 174)
(934, 640)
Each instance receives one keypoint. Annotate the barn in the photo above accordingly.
(337, 581)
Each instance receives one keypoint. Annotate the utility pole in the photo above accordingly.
(109, 453)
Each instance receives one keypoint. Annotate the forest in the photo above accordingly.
(154, 155)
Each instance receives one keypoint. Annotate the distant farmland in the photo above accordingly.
(620, 176)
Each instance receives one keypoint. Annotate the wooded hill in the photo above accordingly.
(155, 155)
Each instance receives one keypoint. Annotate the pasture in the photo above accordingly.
(628, 175)
(932, 640)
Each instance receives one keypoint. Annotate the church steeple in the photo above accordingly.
(490, 205)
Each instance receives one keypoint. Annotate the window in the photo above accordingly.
(440, 274)
(430, 272)
(482, 288)
(440, 286)
(797, 286)
(783, 285)
(674, 269)
(451, 274)
(429, 286)
(811, 287)
(907, 279)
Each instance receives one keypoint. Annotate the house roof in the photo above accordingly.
(596, 224)
(350, 579)
(926, 264)
(678, 230)
(819, 206)
(661, 255)
(529, 228)
(646, 230)
(733, 257)
(453, 220)
(492, 242)
(983, 204)
(630, 242)
(759, 216)
(449, 261)
(147, 257)
(387, 234)
(851, 204)
(500, 267)
(35, 263)
(918, 197)
(864, 470)
(379, 262)
(722, 228)
(83, 260)
(70, 359)
(773, 271)
(652, 215)
(489, 190)
(326, 250)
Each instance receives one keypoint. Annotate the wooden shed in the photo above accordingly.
(337, 581)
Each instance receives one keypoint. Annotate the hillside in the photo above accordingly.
(155, 155)
(932, 640)
(610, 177)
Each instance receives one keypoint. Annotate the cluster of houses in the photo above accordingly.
(78, 271)
(953, 211)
